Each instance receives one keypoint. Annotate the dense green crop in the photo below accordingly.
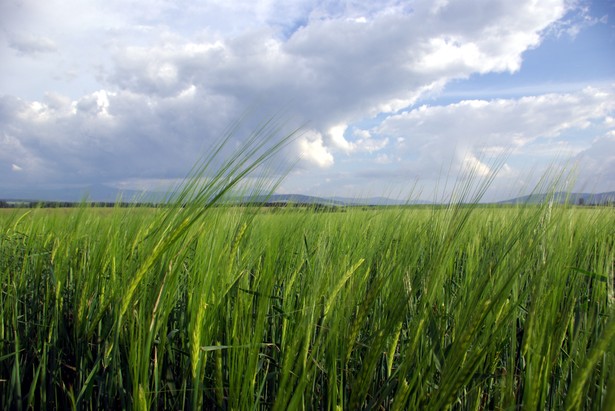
(464, 307)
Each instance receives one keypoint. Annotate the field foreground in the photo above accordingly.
(460, 307)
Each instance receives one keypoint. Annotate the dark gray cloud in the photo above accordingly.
(30, 44)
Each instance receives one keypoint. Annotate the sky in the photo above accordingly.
(394, 98)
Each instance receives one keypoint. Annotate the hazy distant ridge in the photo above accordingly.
(562, 197)
(106, 194)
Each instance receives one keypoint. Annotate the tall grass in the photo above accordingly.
(201, 305)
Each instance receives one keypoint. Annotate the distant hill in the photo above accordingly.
(342, 201)
(562, 197)
(336, 201)
(102, 193)
(377, 201)
(98, 193)
(292, 199)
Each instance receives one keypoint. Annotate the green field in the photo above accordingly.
(459, 307)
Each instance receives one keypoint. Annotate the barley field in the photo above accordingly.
(195, 307)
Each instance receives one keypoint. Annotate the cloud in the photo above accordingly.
(528, 129)
(511, 122)
(340, 65)
(165, 78)
(574, 23)
(518, 138)
(473, 166)
(596, 164)
(31, 44)
(334, 68)
(313, 150)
